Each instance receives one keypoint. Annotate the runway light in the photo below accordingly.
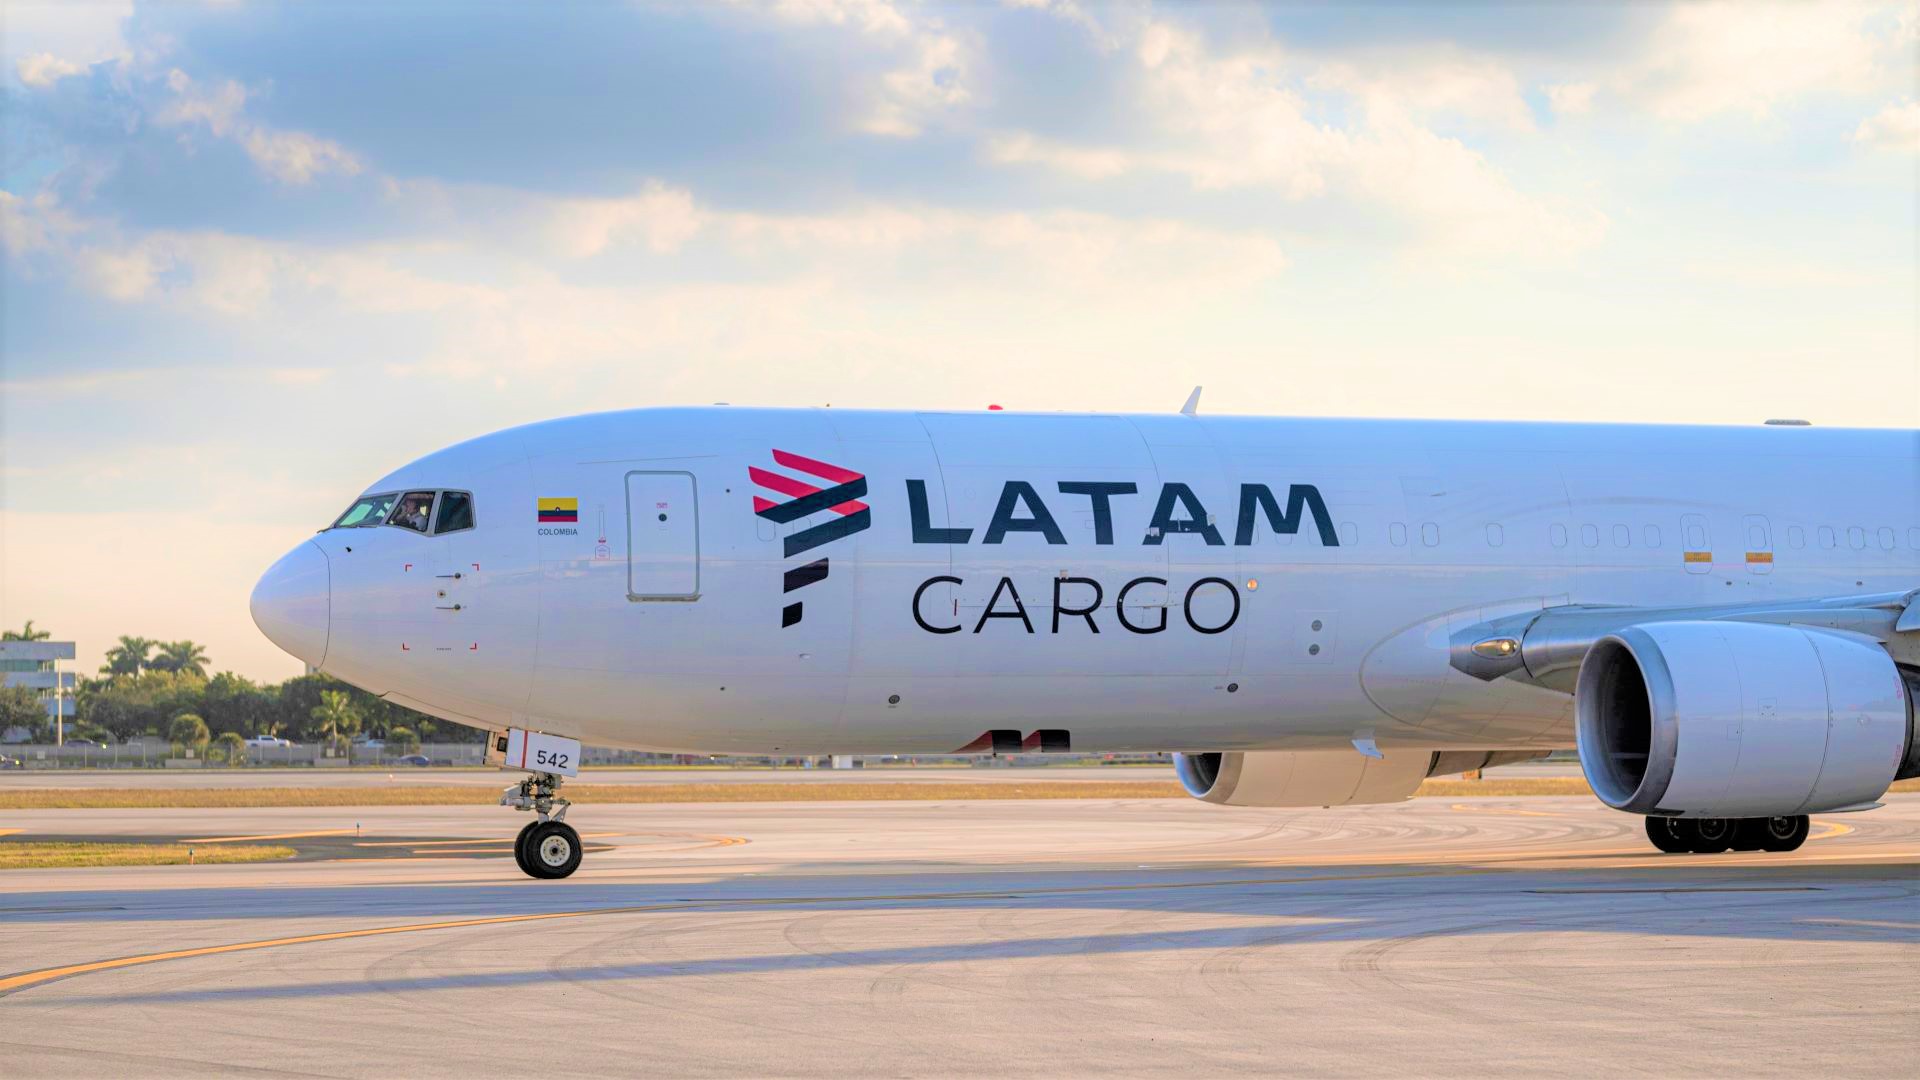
(1496, 648)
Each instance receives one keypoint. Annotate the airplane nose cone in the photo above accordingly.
(292, 604)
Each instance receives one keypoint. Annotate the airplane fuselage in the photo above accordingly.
(824, 580)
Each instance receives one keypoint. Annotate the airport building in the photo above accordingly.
(36, 665)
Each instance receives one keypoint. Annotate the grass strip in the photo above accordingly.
(35, 855)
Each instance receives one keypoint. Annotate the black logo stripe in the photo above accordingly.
(826, 498)
(801, 576)
(808, 539)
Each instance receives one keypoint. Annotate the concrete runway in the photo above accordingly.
(1047, 938)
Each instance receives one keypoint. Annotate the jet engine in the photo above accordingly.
(1742, 720)
(1325, 777)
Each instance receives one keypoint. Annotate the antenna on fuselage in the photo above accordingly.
(1192, 407)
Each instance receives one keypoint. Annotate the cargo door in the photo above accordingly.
(663, 537)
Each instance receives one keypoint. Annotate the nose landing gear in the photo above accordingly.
(1710, 836)
(547, 847)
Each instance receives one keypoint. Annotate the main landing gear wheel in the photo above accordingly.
(552, 849)
(1669, 835)
(1709, 835)
(1784, 833)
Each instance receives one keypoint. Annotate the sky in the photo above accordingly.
(257, 255)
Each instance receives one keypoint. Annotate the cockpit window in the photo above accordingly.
(369, 511)
(456, 512)
(413, 511)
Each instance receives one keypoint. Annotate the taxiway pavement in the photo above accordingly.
(1046, 938)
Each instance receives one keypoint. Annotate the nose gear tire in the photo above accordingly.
(552, 850)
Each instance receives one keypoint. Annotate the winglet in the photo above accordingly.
(1192, 407)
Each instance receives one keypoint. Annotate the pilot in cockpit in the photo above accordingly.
(413, 512)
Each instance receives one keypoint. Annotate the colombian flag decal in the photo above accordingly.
(559, 510)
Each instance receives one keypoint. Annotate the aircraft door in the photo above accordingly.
(663, 537)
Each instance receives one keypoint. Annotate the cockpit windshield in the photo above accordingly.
(445, 511)
(369, 511)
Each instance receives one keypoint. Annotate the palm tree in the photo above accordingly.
(182, 658)
(129, 657)
(28, 634)
(336, 715)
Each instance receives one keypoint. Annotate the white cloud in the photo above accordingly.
(1896, 127)
(1705, 59)
(44, 69)
(47, 41)
(1571, 99)
(1234, 119)
(1429, 82)
(291, 157)
(933, 78)
(1088, 164)
(663, 218)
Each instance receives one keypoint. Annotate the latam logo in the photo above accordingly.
(801, 499)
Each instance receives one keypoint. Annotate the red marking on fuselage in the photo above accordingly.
(787, 485)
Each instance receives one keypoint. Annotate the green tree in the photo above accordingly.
(232, 703)
(336, 716)
(28, 634)
(401, 740)
(232, 748)
(188, 732)
(22, 707)
(129, 657)
(181, 657)
(136, 705)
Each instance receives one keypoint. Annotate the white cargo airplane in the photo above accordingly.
(1724, 621)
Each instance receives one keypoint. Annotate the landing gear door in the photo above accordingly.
(663, 537)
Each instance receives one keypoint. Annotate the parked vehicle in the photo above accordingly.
(268, 740)
(418, 760)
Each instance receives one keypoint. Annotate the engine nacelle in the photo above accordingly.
(1325, 777)
(1734, 719)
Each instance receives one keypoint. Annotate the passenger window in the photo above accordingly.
(1913, 538)
(412, 511)
(1496, 535)
(456, 512)
(1590, 536)
(1349, 534)
(1796, 536)
(1397, 534)
(1856, 537)
(1557, 534)
(1653, 536)
(1430, 534)
(1826, 536)
(1696, 538)
(369, 510)
(1886, 539)
(1622, 536)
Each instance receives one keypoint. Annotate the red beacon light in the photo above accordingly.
(995, 408)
